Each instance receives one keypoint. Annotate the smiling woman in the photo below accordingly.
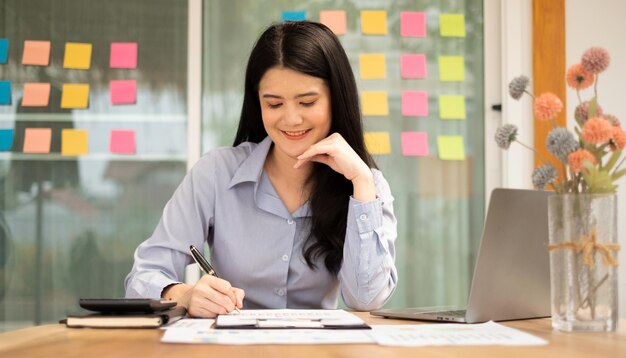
(314, 215)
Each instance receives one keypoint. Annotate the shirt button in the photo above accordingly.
(289, 221)
(363, 217)
(280, 292)
(285, 257)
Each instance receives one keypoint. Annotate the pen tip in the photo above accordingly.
(190, 247)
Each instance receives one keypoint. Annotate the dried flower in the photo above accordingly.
(613, 120)
(517, 87)
(543, 175)
(578, 78)
(505, 135)
(595, 60)
(582, 112)
(597, 130)
(547, 106)
(619, 138)
(561, 142)
(576, 159)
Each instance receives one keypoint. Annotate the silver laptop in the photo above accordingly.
(512, 273)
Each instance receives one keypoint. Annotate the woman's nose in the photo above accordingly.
(292, 116)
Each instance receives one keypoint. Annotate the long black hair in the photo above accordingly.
(311, 48)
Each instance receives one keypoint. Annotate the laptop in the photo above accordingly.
(512, 273)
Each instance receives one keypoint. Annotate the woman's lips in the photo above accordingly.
(295, 135)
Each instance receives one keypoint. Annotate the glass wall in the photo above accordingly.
(439, 203)
(70, 223)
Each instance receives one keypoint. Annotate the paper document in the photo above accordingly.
(195, 323)
(446, 334)
(290, 318)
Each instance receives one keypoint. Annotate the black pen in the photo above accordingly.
(204, 264)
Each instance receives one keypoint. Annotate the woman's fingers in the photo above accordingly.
(212, 296)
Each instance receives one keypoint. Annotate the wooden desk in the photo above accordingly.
(56, 340)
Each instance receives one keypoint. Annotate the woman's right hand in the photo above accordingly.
(209, 297)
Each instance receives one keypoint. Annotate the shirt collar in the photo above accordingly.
(251, 168)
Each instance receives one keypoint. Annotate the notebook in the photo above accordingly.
(290, 319)
(512, 273)
(140, 320)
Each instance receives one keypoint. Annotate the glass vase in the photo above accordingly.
(583, 262)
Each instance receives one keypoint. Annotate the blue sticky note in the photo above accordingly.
(5, 92)
(294, 15)
(6, 139)
(4, 50)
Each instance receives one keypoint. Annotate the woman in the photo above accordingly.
(293, 212)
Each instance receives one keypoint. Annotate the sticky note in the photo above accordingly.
(377, 142)
(6, 139)
(75, 95)
(74, 142)
(415, 103)
(4, 50)
(374, 22)
(452, 107)
(414, 143)
(36, 53)
(123, 55)
(372, 66)
(452, 25)
(122, 141)
(77, 55)
(5, 92)
(451, 147)
(293, 15)
(36, 95)
(334, 20)
(413, 66)
(412, 24)
(37, 140)
(123, 91)
(451, 68)
(375, 103)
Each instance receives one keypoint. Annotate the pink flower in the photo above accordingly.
(576, 159)
(582, 112)
(619, 138)
(595, 60)
(597, 130)
(578, 78)
(547, 106)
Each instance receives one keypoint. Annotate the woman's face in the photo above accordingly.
(296, 110)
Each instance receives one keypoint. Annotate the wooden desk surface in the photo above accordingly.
(55, 340)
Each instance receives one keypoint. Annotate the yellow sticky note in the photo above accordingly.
(372, 66)
(75, 95)
(74, 142)
(451, 68)
(452, 25)
(451, 147)
(77, 55)
(374, 103)
(377, 142)
(374, 22)
(452, 107)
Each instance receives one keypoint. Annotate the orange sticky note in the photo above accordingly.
(77, 55)
(75, 95)
(372, 66)
(374, 22)
(377, 142)
(37, 140)
(36, 95)
(36, 53)
(74, 142)
(375, 103)
(335, 20)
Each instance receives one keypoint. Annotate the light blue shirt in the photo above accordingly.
(228, 200)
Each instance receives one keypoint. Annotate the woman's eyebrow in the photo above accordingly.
(306, 94)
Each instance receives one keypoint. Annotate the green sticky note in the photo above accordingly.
(375, 103)
(452, 25)
(451, 147)
(451, 68)
(452, 107)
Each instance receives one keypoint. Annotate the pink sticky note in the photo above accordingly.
(123, 91)
(123, 55)
(335, 20)
(36, 95)
(122, 141)
(37, 140)
(36, 53)
(413, 66)
(412, 24)
(415, 103)
(414, 143)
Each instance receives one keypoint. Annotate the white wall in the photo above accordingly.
(601, 23)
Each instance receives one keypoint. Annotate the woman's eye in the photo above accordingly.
(307, 104)
(274, 105)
